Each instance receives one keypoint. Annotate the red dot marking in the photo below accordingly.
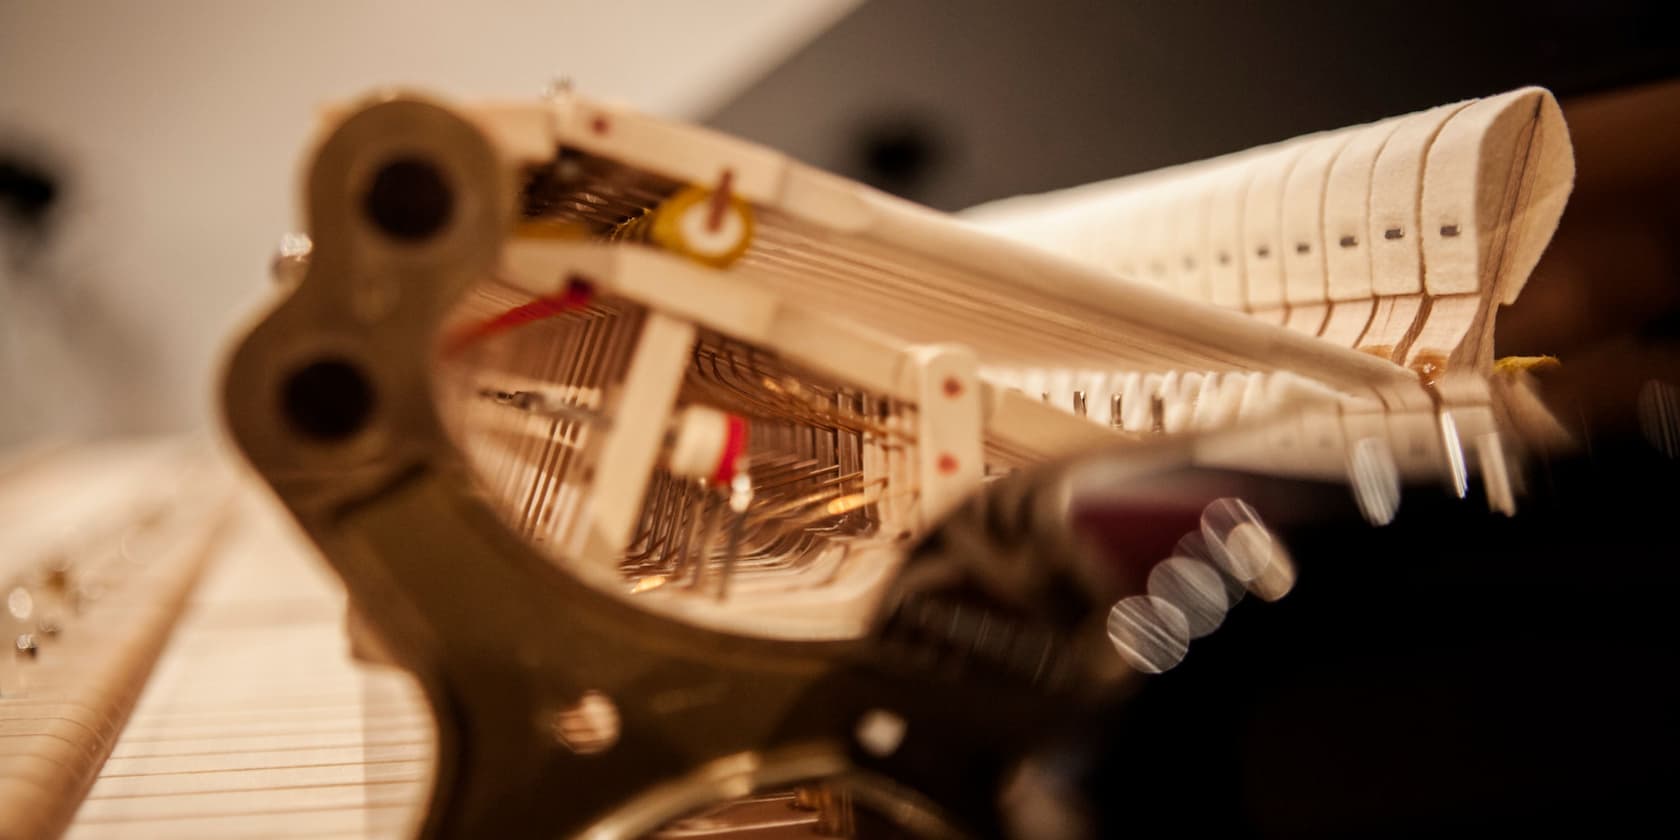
(947, 463)
(953, 387)
(600, 125)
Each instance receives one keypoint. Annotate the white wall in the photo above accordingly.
(179, 126)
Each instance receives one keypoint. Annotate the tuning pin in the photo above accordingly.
(1079, 403)
(1116, 417)
(732, 550)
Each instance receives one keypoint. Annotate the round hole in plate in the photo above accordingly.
(327, 400)
(409, 199)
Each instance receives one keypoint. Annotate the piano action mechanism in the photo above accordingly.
(668, 467)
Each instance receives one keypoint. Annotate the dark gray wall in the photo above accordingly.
(952, 102)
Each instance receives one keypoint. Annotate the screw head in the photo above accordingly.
(589, 726)
(880, 732)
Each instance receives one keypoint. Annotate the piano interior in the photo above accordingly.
(669, 487)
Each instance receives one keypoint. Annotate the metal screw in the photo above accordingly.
(588, 726)
(880, 732)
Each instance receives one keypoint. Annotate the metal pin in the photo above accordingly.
(1157, 413)
(1496, 474)
(1116, 418)
(1456, 472)
(740, 499)
(1079, 403)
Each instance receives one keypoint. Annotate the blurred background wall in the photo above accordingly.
(154, 146)
(149, 152)
(955, 102)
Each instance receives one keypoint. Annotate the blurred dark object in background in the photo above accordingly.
(1453, 669)
(31, 191)
(27, 190)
